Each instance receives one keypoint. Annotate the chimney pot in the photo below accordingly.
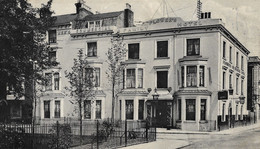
(128, 6)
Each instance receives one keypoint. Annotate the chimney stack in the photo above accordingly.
(78, 6)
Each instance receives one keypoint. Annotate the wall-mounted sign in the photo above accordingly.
(222, 95)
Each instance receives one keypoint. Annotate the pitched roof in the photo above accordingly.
(65, 19)
(102, 16)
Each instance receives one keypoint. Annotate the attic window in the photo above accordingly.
(97, 24)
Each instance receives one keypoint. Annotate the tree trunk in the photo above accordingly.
(80, 120)
(113, 102)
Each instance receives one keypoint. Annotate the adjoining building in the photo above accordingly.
(253, 87)
(198, 69)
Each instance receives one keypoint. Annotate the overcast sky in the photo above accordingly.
(241, 17)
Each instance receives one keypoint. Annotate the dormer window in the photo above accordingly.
(193, 47)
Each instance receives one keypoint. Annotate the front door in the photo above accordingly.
(163, 114)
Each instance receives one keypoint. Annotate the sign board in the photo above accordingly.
(222, 95)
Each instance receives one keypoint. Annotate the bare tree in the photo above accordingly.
(115, 57)
(81, 85)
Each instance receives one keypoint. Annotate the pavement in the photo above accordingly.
(175, 138)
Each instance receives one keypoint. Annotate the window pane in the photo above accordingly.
(46, 109)
(237, 59)
(162, 49)
(98, 109)
(223, 113)
(133, 51)
(140, 78)
(230, 54)
(141, 110)
(56, 81)
(230, 81)
(191, 76)
(91, 24)
(201, 76)
(224, 80)
(52, 56)
(236, 85)
(242, 88)
(97, 77)
(203, 109)
(48, 83)
(193, 47)
(130, 78)
(97, 24)
(190, 109)
(87, 109)
(57, 109)
(162, 79)
(129, 109)
(92, 49)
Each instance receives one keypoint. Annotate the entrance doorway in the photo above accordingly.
(164, 114)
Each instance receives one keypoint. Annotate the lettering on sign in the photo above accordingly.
(93, 29)
(161, 20)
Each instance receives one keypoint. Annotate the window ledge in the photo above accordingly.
(189, 121)
(203, 121)
(161, 58)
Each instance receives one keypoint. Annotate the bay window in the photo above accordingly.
(201, 76)
(140, 78)
(190, 109)
(48, 83)
(129, 109)
(56, 81)
(87, 109)
(191, 76)
(98, 109)
(193, 47)
(130, 78)
(182, 76)
(203, 109)
(47, 109)
(57, 109)
(93, 75)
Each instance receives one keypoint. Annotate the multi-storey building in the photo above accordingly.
(198, 69)
(253, 87)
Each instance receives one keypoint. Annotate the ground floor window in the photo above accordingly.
(57, 109)
(203, 109)
(87, 109)
(223, 116)
(129, 109)
(46, 109)
(98, 109)
(190, 109)
(16, 111)
(179, 109)
(241, 114)
(141, 110)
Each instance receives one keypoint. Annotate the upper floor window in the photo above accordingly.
(162, 79)
(97, 24)
(236, 85)
(92, 49)
(48, 83)
(130, 78)
(201, 76)
(52, 36)
(230, 81)
(203, 109)
(162, 48)
(242, 62)
(191, 76)
(52, 56)
(242, 87)
(91, 24)
(224, 49)
(93, 75)
(224, 80)
(140, 78)
(193, 47)
(237, 59)
(133, 51)
(230, 54)
(56, 81)
(182, 76)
